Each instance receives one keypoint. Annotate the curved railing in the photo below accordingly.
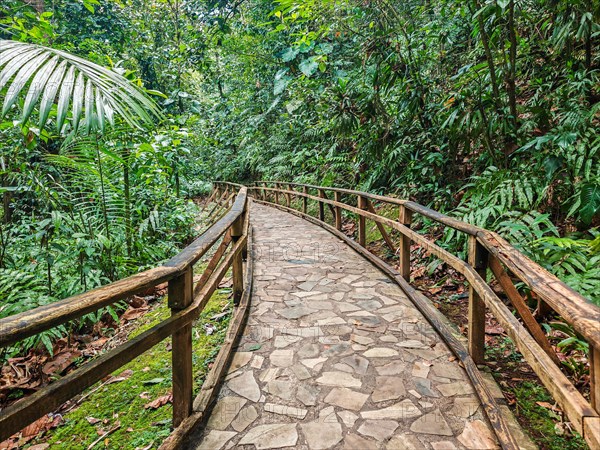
(486, 249)
(186, 302)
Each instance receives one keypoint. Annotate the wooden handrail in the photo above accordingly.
(583, 315)
(186, 304)
(575, 309)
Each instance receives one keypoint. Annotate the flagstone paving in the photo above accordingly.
(334, 355)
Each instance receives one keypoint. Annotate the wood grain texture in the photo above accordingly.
(517, 301)
(476, 327)
(405, 218)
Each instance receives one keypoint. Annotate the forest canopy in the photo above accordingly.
(485, 110)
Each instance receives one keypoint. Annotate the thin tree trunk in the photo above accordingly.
(512, 73)
(489, 58)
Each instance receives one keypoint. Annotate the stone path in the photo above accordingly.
(335, 356)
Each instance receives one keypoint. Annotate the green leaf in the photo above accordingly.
(309, 66)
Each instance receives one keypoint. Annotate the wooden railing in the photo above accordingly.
(486, 249)
(185, 300)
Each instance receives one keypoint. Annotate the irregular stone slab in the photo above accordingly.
(363, 340)
(275, 435)
(312, 362)
(257, 362)
(281, 389)
(369, 305)
(239, 360)
(306, 332)
(307, 285)
(246, 386)
(443, 445)
(295, 312)
(308, 394)
(413, 343)
(357, 363)
(465, 407)
(346, 398)
(388, 388)
(458, 388)
(331, 321)
(308, 351)
(301, 372)
(477, 436)
(447, 370)
(284, 341)
(380, 352)
(388, 338)
(282, 357)
(393, 368)
(406, 409)
(343, 368)
(421, 369)
(423, 387)
(405, 441)
(355, 442)
(415, 393)
(225, 410)
(432, 423)
(215, 440)
(245, 417)
(347, 307)
(268, 374)
(340, 379)
(379, 429)
(322, 434)
(292, 411)
(349, 418)
(336, 350)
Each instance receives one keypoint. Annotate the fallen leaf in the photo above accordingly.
(98, 343)
(121, 377)
(60, 362)
(549, 406)
(153, 381)
(145, 395)
(134, 313)
(160, 401)
(92, 420)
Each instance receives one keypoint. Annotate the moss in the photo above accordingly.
(124, 401)
(540, 422)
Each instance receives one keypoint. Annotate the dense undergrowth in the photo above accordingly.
(487, 110)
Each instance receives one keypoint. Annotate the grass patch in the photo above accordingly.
(542, 422)
(123, 402)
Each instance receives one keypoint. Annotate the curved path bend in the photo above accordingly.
(334, 355)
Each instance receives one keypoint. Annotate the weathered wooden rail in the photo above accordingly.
(486, 249)
(186, 303)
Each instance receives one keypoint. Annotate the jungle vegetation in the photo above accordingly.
(115, 113)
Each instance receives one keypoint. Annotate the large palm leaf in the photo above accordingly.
(94, 94)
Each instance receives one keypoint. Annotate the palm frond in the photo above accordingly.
(49, 76)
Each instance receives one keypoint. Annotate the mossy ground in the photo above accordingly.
(541, 423)
(124, 401)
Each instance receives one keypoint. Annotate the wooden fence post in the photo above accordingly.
(362, 231)
(180, 297)
(405, 218)
(321, 207)
(595, 378)
(288, 199)
(304, 200)
(338, 211)
(478, 259)
(277, 193)
(237, 267)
